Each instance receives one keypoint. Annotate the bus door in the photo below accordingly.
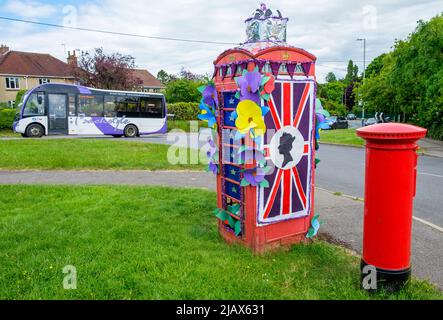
(58, 113)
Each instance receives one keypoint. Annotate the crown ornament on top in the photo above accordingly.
(266, 25)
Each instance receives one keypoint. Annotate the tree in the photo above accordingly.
(331, 95)
(330, 77)
(410, 78)
(375, 66)
(350, 81)
(351, 74)
(163, 76)
(113, 71)
(188, 75)
(183, 90)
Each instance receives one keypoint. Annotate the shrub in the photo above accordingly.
(6, 118)
(184, 110)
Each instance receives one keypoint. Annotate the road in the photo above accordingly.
(342, 170)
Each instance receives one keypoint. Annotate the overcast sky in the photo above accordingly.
(328, 29)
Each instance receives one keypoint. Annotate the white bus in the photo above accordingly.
(75, 110)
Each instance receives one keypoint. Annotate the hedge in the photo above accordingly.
(184, 110)
(6, 118)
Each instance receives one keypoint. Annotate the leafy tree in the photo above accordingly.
(183, 90)
(331, 95)
(351, 74)
(165, 78)
(377, 91)
(410, 78)
(375, 66)
(100, 70)
(330, 77)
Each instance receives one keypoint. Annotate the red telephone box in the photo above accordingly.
(280, 214)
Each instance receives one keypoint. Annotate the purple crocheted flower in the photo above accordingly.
(212, 149)
(254, 176)
(249, 86)
(249, 155)
(213, 167)
(210, 96)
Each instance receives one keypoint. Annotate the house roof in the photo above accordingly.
(33, 64)
(148, 80)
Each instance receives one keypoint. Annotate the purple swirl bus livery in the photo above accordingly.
(52, 109)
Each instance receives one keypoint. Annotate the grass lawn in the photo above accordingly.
(341, 136)
(155, 243)
(184, 125)
(6, 133)
(78, 154)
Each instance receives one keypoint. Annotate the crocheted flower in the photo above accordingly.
(207, 115)
(210, 96)
(249, 118)
(249, 85)
(269, 85)
(254, 177)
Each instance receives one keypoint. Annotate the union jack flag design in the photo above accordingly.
(291, 111)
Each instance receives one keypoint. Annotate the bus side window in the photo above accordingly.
(110, 106)
(72, 105)
(152, 108)
(120, 106)
(133, 108)
(90, 106)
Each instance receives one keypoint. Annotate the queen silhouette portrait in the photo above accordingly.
(285, 148)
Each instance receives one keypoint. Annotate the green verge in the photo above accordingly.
(341, 136)
(185, 125)
(87, 154)
(156, 243)
(6, 133)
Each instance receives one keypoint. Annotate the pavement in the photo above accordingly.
(431, 147)
(342, 216)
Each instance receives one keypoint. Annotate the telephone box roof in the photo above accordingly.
(266, 36)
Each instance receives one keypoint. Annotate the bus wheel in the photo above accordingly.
(131, 131)
(35, 131)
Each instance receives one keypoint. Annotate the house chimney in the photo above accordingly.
(3, 49)
(72, 59)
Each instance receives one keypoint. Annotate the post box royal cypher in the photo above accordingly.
(280, 211)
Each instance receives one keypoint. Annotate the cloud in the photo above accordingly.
(30, 9)
(328, 29)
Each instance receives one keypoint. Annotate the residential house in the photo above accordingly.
(26, 70)
(149, 83)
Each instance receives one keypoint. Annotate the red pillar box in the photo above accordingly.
(391, 170)
(280, 214)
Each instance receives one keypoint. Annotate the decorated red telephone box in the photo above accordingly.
(280, 211)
